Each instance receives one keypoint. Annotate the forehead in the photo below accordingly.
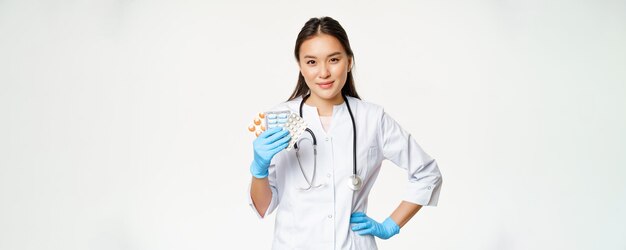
(320, 45)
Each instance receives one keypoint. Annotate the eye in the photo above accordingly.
(334, 60)
(311, 62)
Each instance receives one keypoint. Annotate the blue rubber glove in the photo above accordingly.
(268, 144)
(366, 225)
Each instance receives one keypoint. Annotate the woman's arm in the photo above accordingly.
(404, 212)
(261, 194)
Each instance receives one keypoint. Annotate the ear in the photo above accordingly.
(349, 64)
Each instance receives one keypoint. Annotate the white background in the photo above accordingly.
(123, 123)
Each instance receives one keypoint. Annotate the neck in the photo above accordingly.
(324, 106)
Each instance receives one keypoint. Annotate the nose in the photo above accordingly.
(324, 72)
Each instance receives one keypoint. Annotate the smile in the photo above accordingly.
(326, 85)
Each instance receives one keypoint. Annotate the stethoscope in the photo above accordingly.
(354, 181)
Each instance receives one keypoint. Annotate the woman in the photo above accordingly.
(320, 203)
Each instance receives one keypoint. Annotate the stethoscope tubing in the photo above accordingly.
(354, 168)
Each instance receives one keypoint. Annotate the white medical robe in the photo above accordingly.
(320, 218)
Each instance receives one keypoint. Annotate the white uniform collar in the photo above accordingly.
(312, 109)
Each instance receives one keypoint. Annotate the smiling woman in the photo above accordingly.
(323, 50)
(325, 67)
(329, 215)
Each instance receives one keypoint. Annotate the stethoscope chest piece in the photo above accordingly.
(354, 182)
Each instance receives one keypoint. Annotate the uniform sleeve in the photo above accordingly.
(274, 202)
(424, 177)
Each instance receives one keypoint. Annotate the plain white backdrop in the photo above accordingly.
(123, 122)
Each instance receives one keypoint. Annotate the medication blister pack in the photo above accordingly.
(286, 119)
(257, 127)
(276, 118)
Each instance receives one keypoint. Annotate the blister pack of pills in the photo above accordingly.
(276, 118)
(290, 121)
(286, 119)
(257, 127)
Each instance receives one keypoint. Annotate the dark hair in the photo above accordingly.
(329, 26)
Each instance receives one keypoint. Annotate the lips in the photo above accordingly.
(326, 85)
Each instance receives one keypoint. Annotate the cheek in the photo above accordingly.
(340, 70)
(308, 72)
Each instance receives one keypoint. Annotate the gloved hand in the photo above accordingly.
(366, 225)
(268, 144)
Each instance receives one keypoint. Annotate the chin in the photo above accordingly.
(328, 95)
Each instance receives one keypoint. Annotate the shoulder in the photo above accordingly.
(364, 106)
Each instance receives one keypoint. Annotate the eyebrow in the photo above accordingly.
(332, 54)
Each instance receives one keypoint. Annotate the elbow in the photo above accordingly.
(262, 213)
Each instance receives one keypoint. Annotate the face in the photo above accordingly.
(325, 66)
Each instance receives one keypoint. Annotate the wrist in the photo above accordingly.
(258, 171)
(392, 226)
